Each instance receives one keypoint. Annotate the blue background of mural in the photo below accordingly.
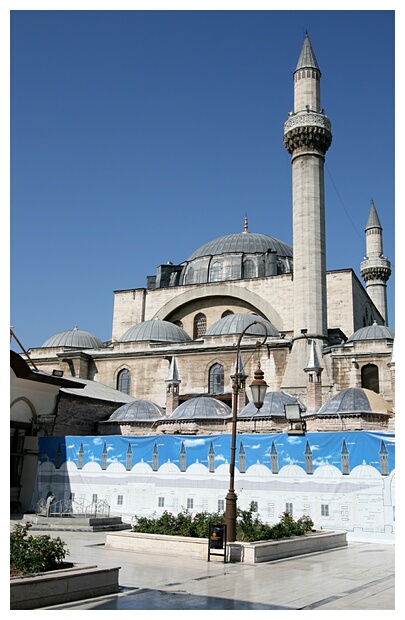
(326, 448)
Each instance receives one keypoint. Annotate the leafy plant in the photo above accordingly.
(249, 527)
(34, 554)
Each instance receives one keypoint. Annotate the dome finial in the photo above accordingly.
(246, 226)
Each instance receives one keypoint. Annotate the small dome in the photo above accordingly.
(168, 468)
(137, 411)
(141, 468)
(156, 331)
(116, 468)
(47, 466)
(246, 243)
(74, 338)
(273, 405)
(355, 400)
(201, 408)
(259, 470)
(92, 467)
(292, 471)
(197, 469)
(327, 471)
(223, 469)
(365, 471)
(372, 332)
(68, 466)
(234, 324)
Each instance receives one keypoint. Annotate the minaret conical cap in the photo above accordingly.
(373, 219)
(307, 58)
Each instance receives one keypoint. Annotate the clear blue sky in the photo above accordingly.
(137, 136)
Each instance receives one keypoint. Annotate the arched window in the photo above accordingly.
(200, 325)
(369, 378)
(215, 272)
(226, 313)
(124, 381)
(216, 379)
(179, 324)
(249, 269)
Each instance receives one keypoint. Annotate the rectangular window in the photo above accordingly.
(221, 505)
(255, 506)
(190, 503)
(94, 498)
(325, 510)
(161, 502)
(72, 497)
(289, 508)
(120, 500)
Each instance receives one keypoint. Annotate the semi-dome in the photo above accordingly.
(141, 468)
(155, 330)
(234, 324)
(169, 468)
(137, 411)
(273, 405)
(292, 471)
(201, 407)
(197, 469)
(373, 332)
(244, 242)
(75, 338)
(355, 401)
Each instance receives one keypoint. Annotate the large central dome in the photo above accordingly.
(244, 242)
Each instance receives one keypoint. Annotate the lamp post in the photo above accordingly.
(258, 387)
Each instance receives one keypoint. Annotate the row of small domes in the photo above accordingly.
(349, 401)
(164, 331)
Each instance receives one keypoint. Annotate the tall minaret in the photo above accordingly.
(307, 137)
(376, 268)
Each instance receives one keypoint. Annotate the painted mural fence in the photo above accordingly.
(343, 480)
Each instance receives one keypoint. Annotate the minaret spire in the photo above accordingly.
(376, 268)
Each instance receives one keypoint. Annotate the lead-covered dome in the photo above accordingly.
(155, 330)
(234, 324)
(355, 401)
(245, 243)
(137, 411)
(200, 408)
(74, 338)
(273, 405)
(372, 332)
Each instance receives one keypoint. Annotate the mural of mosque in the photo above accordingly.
(343, 480)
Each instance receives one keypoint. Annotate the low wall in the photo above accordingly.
(62, 586)
(249, 553)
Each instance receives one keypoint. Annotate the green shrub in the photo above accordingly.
(249, 527)
(34, 554)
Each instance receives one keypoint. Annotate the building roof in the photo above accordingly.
(236, 323)
(155, 330)
(245, 243)
(372, 332)
(99, 391)
(137, 411)
(307, 58)
(200, 408)
(75, 338)
(23, 371)
(273, 405)
(355, 401)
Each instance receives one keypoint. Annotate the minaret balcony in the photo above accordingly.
(307, 129)
(375, 269)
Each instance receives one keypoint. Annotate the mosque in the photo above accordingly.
(243, 300)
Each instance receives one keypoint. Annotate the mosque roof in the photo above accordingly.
(201, 407)
(245, 243)
(355, 400)
(155, 330)
(236, 323)
(372, 332)
(273, 405)
(137, 411)
(75, 338)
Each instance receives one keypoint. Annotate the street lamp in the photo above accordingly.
(258, 387)
(293, 413)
